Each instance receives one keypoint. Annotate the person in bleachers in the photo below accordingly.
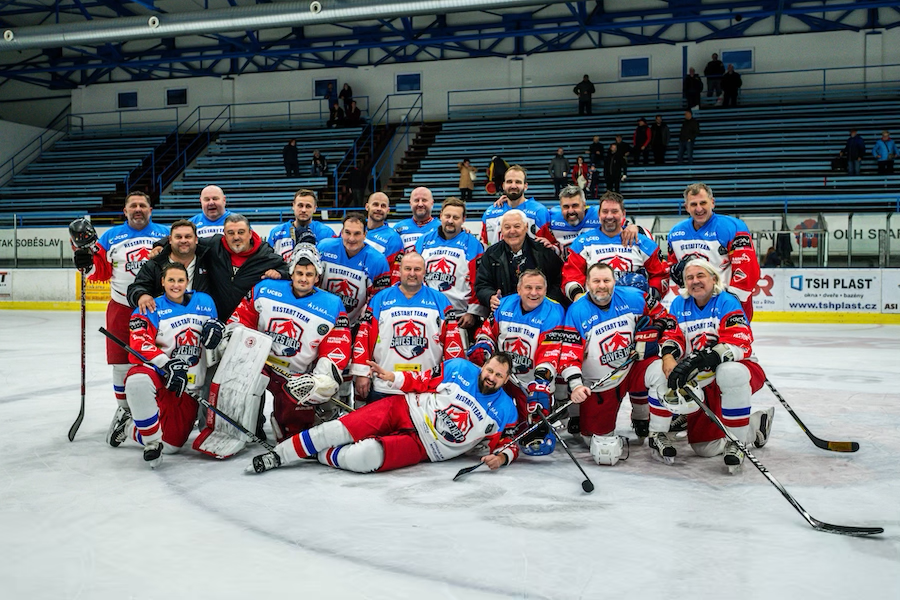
(595, 152)
(559, 170)
(731, 84)
(594, 179)
(335, 115)
(283, 238)
(466, 179)
(352, 115)
(660, 142)
(854, 151)
(421, 203)
(615, 168)
(623, 147)
(885, 151)
(515, 184)
(330, 95)
(497, 275)
(379, 234)
(584, 90)
(579, 173)
(690, 129)
(691, 88)
(318, 164)
(714, 71)
(642, 139)
(291, 156)
(346, 96)
(496, 172)
(211, 219)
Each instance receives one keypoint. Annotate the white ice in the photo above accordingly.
(83, 520)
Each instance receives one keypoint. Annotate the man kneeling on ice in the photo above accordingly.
(437, 415)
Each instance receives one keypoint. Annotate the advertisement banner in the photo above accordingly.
(890, 291)
(5, 283)
(769, 294)
(832, 290)
(94, 290)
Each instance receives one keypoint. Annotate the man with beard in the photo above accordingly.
(435, 416)
(379, 234)
(515, 184)
(421, 202)
(211, 220)
(605, 245)
(408, 327)
(302, 229)
(570, 218)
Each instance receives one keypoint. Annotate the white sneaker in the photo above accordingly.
(153, 453)
(761, 425)
(734, 457)
(119, 427)
(661, 448)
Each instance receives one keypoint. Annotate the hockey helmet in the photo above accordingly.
(635, 280)
(82, 233)
(681, 401)
(308, 253)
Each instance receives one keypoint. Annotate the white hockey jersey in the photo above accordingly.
(450, 267)
(353, 280)
(121, 253)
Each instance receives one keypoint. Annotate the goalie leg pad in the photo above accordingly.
(364, 456)
(608, 449)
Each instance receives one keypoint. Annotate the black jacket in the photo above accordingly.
(227, 286)
(690, 129)
(149, 278)
(496, 272)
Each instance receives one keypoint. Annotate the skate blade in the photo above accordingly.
(666, 460)
(154, 463)
(734, 469)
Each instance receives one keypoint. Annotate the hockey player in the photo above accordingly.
(724, 241)
(310, 334)
(515, 184)
(601, 331)
(379, 234)
(210, 220)
(528, 326)
(442, 413)
(302, 229)
(407, 327)
(712, 347)
(604, 244)
(118, 257)
(570, 218)
(158, 408)
(354, 271)
(421, 203)
(451, 260)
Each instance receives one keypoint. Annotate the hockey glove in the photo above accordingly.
(176, 371)
(212, 333)
(705, 359)
(480, 352)
(84, 259)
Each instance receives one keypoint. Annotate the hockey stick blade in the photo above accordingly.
(815, 523)
(587, 485)
(819, 443)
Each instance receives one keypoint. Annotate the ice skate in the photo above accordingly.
(641, 427)
(574, 425)
(264, 462)
(661, 448)
(761, 424)
(679, 424)
(153, 453)
(734, 458)
(118, 429)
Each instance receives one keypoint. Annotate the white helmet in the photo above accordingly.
(679, 402)
(309, 252)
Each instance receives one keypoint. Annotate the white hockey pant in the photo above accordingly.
(333, 445)
(141, 394)
(119, 373)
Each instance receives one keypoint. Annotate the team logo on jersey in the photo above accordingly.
(409, 339)
(703, 340)
(346, 290)
(620, 264)
(614, 349)
(135, 259)
(442, 272)
(287, 334)
(520, 349)
(453, 423)
(187, 345)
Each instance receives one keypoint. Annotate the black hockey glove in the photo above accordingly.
(705, 359)
(212, 333)
(176, 371)
(84, 259)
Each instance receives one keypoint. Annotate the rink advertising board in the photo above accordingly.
(890, 291)
(5, 283)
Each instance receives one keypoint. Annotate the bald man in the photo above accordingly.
(421, 202)
(379, 234)
(211, 221)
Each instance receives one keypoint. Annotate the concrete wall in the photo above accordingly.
(14, 137)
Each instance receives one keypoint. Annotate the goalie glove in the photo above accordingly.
(317, 387)
(212, 333)
(176, 371)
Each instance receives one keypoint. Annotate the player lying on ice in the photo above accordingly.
(435, 416)
(159, 409)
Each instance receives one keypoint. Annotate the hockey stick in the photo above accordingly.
(587, 485)
(815, 523)
(74, 428)
(555, 414)
(200, 399)
(820, 443)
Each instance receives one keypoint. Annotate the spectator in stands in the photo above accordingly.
(691, 88)
(853, 151)
(714, 71)
(731, 83)
(642, 139)
(496, 173)
(624, 148)
(346, 97)
(352, 115)
(498, 272)
(594, 177)
(358, 180)
(466, 179)
(336, 116)
(211, 220)
(291, 155)
(772, 259)
(884, 152)
(559, 170)
(690, 129)
(595, 152)
(660, 142)
(584, 90)
(319, 164)
(579, 173)
(329, 95)
(615, 169)
(303, 228)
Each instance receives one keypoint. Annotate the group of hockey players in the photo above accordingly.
(385, 346)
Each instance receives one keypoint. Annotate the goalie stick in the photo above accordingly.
(200, 399)
(555, 414)
(74, 428)
(820, 443)
(815, 523)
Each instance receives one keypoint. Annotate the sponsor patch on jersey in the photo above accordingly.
(337, 356)
(735, 320)
(741, 240)
(408, 367)
(453, 349)
(569, 337)
(322, 329)
(136, 323)
(453, 423)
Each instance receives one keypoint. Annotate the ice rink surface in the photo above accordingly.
(83, 520)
